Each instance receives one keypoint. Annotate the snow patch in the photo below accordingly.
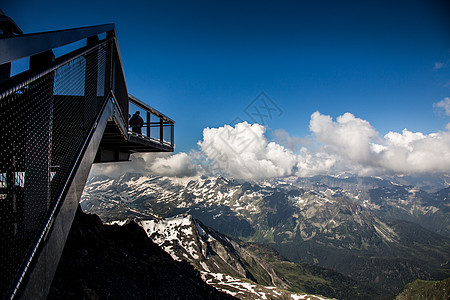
(170, 232)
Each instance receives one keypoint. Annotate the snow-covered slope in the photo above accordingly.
(245, 289)
(223, 263)
(186, 238)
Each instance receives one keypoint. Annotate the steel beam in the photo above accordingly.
(16, 47)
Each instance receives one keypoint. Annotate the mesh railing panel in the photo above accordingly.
(25, 144)
(76, 104)
(43, 127)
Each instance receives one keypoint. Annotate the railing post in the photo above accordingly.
(8, 27)
(108, 64)
(172, 138)
(90, 82)
(5, 72)
(148, 124)
(161, 130)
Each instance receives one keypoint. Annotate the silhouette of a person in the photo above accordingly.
(136, 122)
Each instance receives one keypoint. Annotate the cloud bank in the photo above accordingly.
(162, 164)
(356, 144)
(347, 144)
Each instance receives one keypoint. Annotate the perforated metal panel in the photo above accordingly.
(43, 127)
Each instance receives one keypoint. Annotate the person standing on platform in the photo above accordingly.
(136, 123)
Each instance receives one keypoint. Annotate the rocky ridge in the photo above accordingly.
(121, 262)
(243, 269)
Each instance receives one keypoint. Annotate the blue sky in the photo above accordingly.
(203, 62)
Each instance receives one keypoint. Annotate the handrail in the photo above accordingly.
(164, 121)
(28, 77)
(17, 47)
(124, 123)
(144, 106)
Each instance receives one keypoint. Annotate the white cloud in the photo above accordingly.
(415, 152)
(347, 144)
(293, 143)
(444, 104)
(138, 164)
(163, 164)
(243, 151)
(348, 136)
(355, 146)
(178, 165)
(313, 163)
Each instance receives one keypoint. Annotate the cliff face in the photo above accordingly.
(110, 261)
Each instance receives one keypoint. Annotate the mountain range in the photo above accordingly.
(372, 230)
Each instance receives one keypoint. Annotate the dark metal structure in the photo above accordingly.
(56, 119)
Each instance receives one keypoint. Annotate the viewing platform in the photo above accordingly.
(157, 135)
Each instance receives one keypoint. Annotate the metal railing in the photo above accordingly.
(47, 114)
(157, 127)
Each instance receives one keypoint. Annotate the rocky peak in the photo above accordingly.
(110, 261)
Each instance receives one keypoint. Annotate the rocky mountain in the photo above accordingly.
(430, 290)
(246, 265)
(428, 183)
(121, 262)
(430, 210)
(366, 228)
